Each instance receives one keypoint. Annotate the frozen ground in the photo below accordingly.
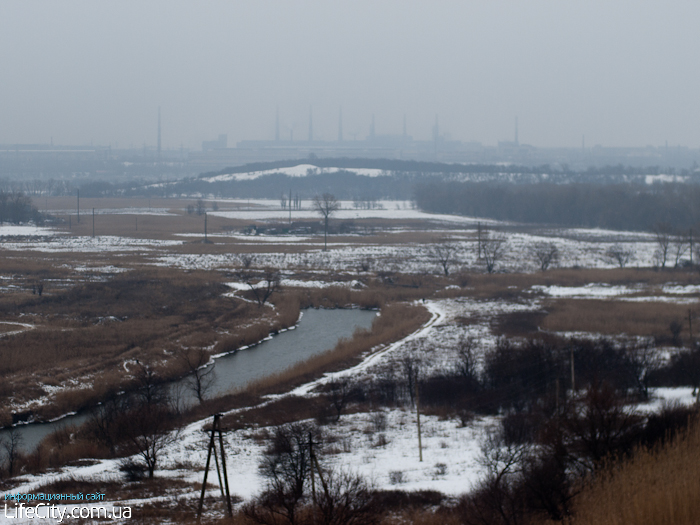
(381, 445)
(56, 242)
(577, 247)
(302, 170)
(8, 230)
(414, 258)
(631, 293)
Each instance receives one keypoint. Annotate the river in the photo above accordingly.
(317, 331)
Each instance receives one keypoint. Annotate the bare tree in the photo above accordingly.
(664, 234)
(346, 499)
(680, 245)
(149, 429)
(200, 377)
(444, 253)
(200, 207)
(366, 264)
(645, 360)
(326, 205)
(148, 426)
(545, 254)
(492, 251)
(287, 465)
(410, 368)
(12, 444)
(104, 421)
(339, 393)
(500, 457)
(262, 285)
(467, 360)
(601, 426)
(617, 254)
(247, 260)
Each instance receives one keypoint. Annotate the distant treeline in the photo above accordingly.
(627, 207)
(422, 167)
(17, 208)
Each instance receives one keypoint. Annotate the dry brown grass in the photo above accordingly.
(612, 317)
(88, 331)
(511, 285)
(658, 487)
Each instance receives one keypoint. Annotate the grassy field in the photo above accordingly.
(148, 287)
(100, 309)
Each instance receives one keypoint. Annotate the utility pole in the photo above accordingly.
(690, 239)
(205, 226)
(478, 235)
(313, 478)
(573, 376)
(690, 324)
(420, 444)
(225, 493)
(93, 222)
(290, 206)
(78, 206)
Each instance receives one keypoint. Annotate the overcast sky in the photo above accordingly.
(622, 73)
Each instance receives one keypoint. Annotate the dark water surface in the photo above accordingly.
(317, 331)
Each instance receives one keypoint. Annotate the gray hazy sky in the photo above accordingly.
(619, 72)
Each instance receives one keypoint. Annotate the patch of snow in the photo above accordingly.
(589, 291)
(302, 170)
(8, 230)
(680, 289)
(654, 179)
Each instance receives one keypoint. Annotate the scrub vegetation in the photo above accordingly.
(550, 355)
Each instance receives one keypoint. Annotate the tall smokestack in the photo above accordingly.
(311, 125)
(340, 125)
(158, 132)
(277, 124)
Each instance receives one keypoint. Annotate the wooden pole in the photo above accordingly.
(78, 206)
(206, 471)
(205, 226)
(313, 478)
(479, 230)
(573, 376)
(420, 443)
(223, 466)
(320, 475)
(93, 222)
(223, 485)
(218, 472)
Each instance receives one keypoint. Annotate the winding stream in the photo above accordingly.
(317, 331)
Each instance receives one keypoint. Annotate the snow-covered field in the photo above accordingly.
(302, 170)
(577, 247)
(380, 445)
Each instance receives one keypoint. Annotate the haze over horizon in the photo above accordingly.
(621, 73)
